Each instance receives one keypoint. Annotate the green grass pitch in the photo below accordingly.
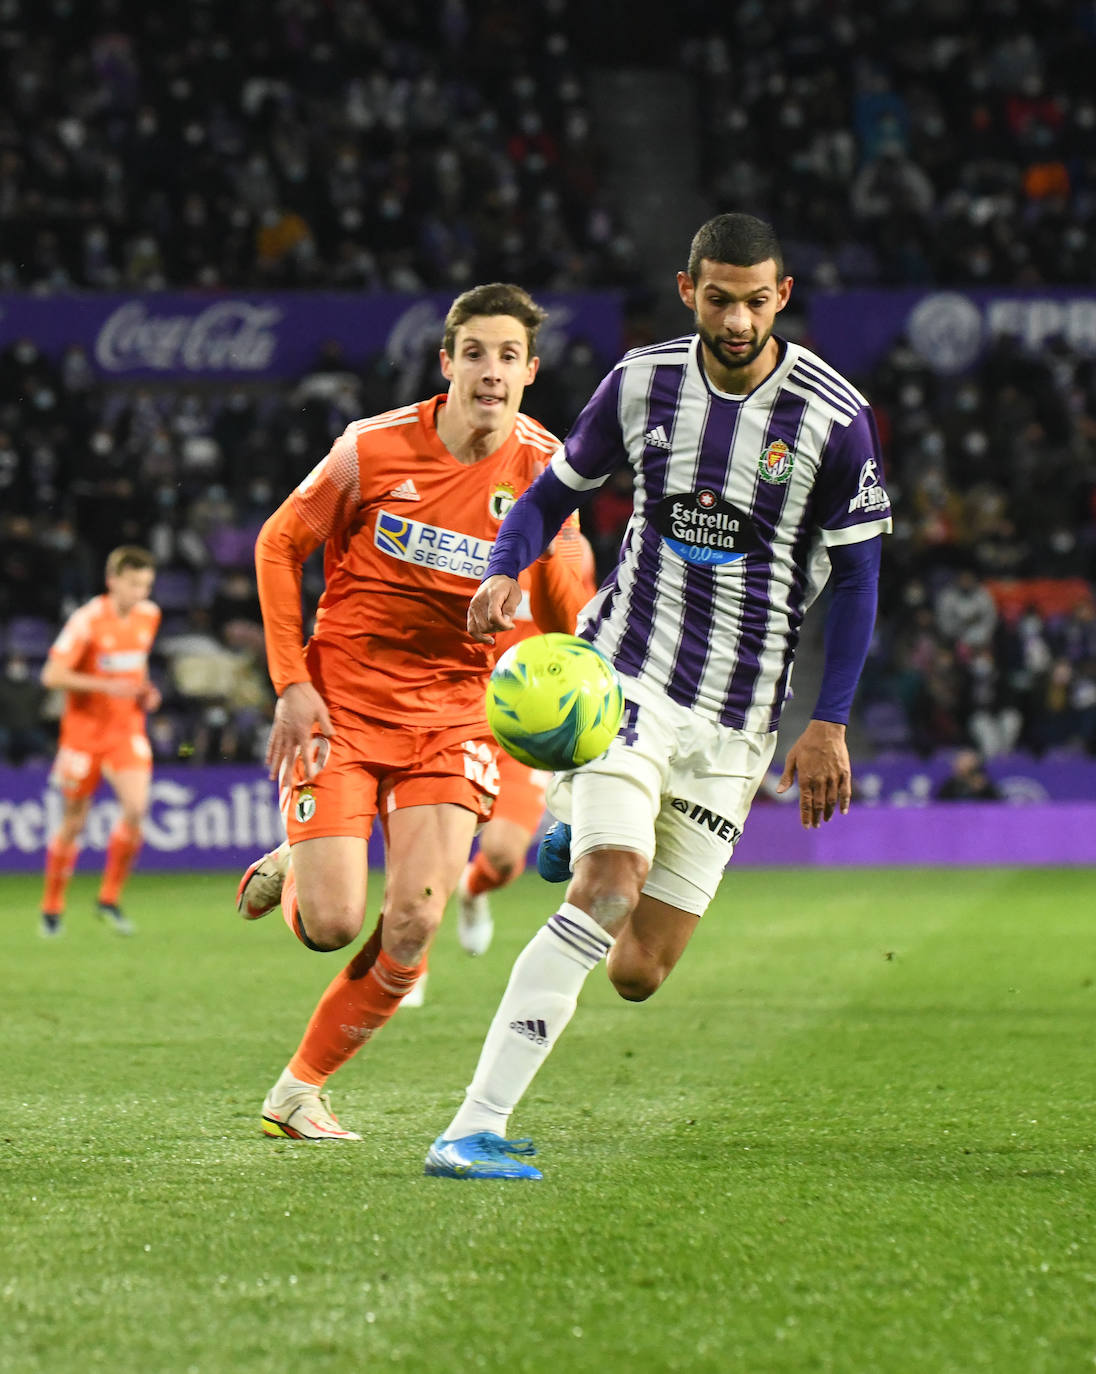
(854, 1132)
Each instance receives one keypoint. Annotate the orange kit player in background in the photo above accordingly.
(382, 712)
(504, 841)
(100, 659)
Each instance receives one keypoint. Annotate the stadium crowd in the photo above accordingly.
(402, 146)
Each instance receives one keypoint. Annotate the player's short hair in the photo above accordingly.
(741, 240)
(496, 298)
(128, 556)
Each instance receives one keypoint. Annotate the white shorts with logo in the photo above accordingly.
(674, 786)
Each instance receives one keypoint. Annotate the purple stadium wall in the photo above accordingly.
(220, 818)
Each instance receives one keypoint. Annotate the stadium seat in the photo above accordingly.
(174, 589)
(30, 635)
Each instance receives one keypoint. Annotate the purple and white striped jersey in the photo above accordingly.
(736, 500)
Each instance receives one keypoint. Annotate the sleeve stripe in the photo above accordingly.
(563, 470)
(855, 534)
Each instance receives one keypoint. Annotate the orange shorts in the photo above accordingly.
(76, 772)
(521, 793)
(375, 768)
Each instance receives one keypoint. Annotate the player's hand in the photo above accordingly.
(820, 757)
(150, 698)
(299, 708)
(492, 608)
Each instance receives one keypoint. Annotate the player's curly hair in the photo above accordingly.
(741, 240)
(495, 298)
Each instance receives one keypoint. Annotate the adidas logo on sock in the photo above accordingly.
(656, 437)
(405, 491)
(536, 1031)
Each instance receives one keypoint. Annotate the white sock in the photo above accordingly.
(539, 1000)
(287, 1084)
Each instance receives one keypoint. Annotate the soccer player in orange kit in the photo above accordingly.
(100, 659)
(382, 712)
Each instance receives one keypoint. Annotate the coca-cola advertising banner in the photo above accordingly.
(276, 335)
(223, 817)
(949, 330)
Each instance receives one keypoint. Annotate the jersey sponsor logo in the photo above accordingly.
(501, 499)
(704, 529)
(122, 661)
(776, 463)
(871, 496)
(720, 826)
(431, 546)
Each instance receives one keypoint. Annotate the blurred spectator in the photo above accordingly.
(968, 780)
(22, 732)
(966, 614)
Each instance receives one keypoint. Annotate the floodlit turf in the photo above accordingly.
(854, 1132)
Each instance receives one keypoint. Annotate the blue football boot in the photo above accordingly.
(480, 1156)
(554, 853)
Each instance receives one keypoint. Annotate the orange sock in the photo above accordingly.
(482, 876)
(122, 848)
(355, 1006)
(60, 862)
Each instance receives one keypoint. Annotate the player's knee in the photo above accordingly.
(635, 978)
(410, 926)
(608, 884)
(502, 860)
(330, 927)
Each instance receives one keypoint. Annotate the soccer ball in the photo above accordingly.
(554, 702)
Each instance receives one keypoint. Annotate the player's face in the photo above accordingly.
(488, 373)
(735, 309)
(130, 586)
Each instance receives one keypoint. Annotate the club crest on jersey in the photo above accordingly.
(501, 499)
(704, 529)
(305, 806)
(776, 463)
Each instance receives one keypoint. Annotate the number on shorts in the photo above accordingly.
(629, 725)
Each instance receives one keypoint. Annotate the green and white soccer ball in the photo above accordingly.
(554, 702)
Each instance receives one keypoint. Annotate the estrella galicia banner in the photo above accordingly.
(247, 336)
(949, 330)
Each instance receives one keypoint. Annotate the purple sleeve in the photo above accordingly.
(850, 624)
(594, 448)
(849, 490)
(531, 524)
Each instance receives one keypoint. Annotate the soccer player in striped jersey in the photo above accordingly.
(100, 661)
(382, 712)
(758, 477)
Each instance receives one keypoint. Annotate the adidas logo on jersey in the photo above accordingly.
(656, 437)
(405, 491)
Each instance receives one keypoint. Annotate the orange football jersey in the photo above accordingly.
(97, 641)
(408, 530)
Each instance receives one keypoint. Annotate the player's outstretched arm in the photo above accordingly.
(492, 608)
(820, 759)
(299, 708)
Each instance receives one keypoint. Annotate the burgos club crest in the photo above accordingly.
(502, 498)
(776, 463)
(305, 808)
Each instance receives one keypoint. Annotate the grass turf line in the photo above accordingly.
(853, 1132)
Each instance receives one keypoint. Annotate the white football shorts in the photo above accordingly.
(672, 785)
